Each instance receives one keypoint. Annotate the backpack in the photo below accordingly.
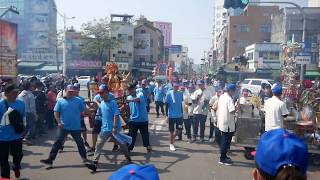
(15, 119)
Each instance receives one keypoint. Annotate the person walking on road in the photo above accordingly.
(138, 118)
(51, 101)
(187, 116)
(173, 102)
(67, 114)
(275, 109)
(159, 94)
(200, 99)
(226, 122)
(29, 100)
(111, 124)
(10, 139)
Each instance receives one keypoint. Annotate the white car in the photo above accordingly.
(254, 85)
(83, 80)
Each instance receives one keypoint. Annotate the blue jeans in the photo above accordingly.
(31, 128)
(225, 143)
(62, 134)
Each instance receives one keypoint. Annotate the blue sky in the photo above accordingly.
(192, 19)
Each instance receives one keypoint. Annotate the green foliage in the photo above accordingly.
(97, 40)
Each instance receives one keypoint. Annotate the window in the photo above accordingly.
(250, 56)
(130, 38)
(130, 54)
(246, 82)
(270, 55)
(151, 42)
(265, 28)
(113, 55)
(244, 28)
(143, 31)
(119, 35)
(255, 82)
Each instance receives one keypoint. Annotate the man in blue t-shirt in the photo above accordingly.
(111, 124)
(138, 117)
(67, 114)
(173, 102)
(10, 141)
(98, 123)
(159, 94)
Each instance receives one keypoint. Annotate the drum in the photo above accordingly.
(305, 127)
(289, 123)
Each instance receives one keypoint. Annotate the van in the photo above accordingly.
(254, 85)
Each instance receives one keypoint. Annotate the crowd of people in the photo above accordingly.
(186, 106)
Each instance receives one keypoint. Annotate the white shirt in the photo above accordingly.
(226, 121)
(185, 104)
(200, 104)
(275, 109)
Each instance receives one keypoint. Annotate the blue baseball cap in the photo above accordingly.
(103, 88)
(200, 82)
(71, 88)
(135, 172)
(278, 149)
(276, 89)
(231, 87)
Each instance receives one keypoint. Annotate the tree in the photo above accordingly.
(97, 40)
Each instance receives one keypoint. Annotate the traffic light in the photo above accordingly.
(235, 4)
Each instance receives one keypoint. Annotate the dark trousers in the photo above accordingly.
(159, 105)
(50, 121)
(199, 119)
(225, 143)
(62, 134)
(40, 123)
(187, 125)
(15, 149)
(211, 128)
(144, 131)
(217, 135)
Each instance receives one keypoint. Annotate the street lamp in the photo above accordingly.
(64, 44)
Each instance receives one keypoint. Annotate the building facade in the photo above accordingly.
(37, 29)
(253, 26)
(288, 25)
(148, 47)
(314, 3)
(122, 29)
(264, 56)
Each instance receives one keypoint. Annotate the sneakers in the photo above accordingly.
(226, 162)
(172, 148)
(91, 166)
(17, 173)
(47, 162)
(27, 142)
(115, 148)
(211, 140)
(149, 148)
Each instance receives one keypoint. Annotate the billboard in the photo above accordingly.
(42, 57)
(166, 29)
(8, 49)
(84, 64)
(142, 44)
(176, 49)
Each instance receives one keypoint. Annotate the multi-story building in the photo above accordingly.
(253, 26)
(166, 29)
(220, 18)
(37, 28)
(148, 47)
(122, 29)
(264, 56)
(288, 25)
(314, 3)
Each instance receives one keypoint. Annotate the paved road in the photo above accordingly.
(190, 161)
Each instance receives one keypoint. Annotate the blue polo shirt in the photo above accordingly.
(7, 132)
(70, 110)
(84, 103)
(174, 107)
(138, 110)
(109, 109)
(99, 99)
(159, 94)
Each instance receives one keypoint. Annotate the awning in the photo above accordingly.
(51, 68)
(30, 64)
(313, 73)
